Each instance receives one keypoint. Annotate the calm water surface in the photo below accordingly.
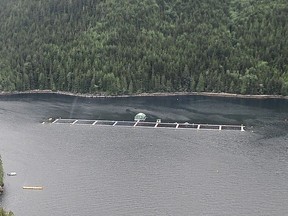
(94, 170)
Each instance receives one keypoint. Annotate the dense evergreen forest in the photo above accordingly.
(132, 46)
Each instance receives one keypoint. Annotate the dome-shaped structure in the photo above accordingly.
(140, 117)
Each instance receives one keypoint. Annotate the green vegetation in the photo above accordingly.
(4, 213)
(129, 46)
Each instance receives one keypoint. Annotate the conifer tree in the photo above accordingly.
(201, 84)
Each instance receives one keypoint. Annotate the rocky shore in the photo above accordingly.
(105, 95)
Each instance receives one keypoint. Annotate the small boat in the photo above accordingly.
(12, 174)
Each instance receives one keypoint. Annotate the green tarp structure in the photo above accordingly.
(140, 117)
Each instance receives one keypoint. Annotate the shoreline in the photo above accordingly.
(156, 94)
(1, 177)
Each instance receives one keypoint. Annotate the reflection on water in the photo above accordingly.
(141, 171)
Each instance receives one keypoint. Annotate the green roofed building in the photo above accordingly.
(140, 117)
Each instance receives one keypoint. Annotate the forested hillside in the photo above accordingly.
(132, 46)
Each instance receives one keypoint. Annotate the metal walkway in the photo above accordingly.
(175, 125)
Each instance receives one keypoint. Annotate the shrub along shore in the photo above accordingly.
(2, 211)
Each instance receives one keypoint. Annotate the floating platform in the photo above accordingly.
(156, 124)
(33, 187)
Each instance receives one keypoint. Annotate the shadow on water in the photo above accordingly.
(193, 109)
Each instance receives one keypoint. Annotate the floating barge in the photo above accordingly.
(33, 187)
(157, 124)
